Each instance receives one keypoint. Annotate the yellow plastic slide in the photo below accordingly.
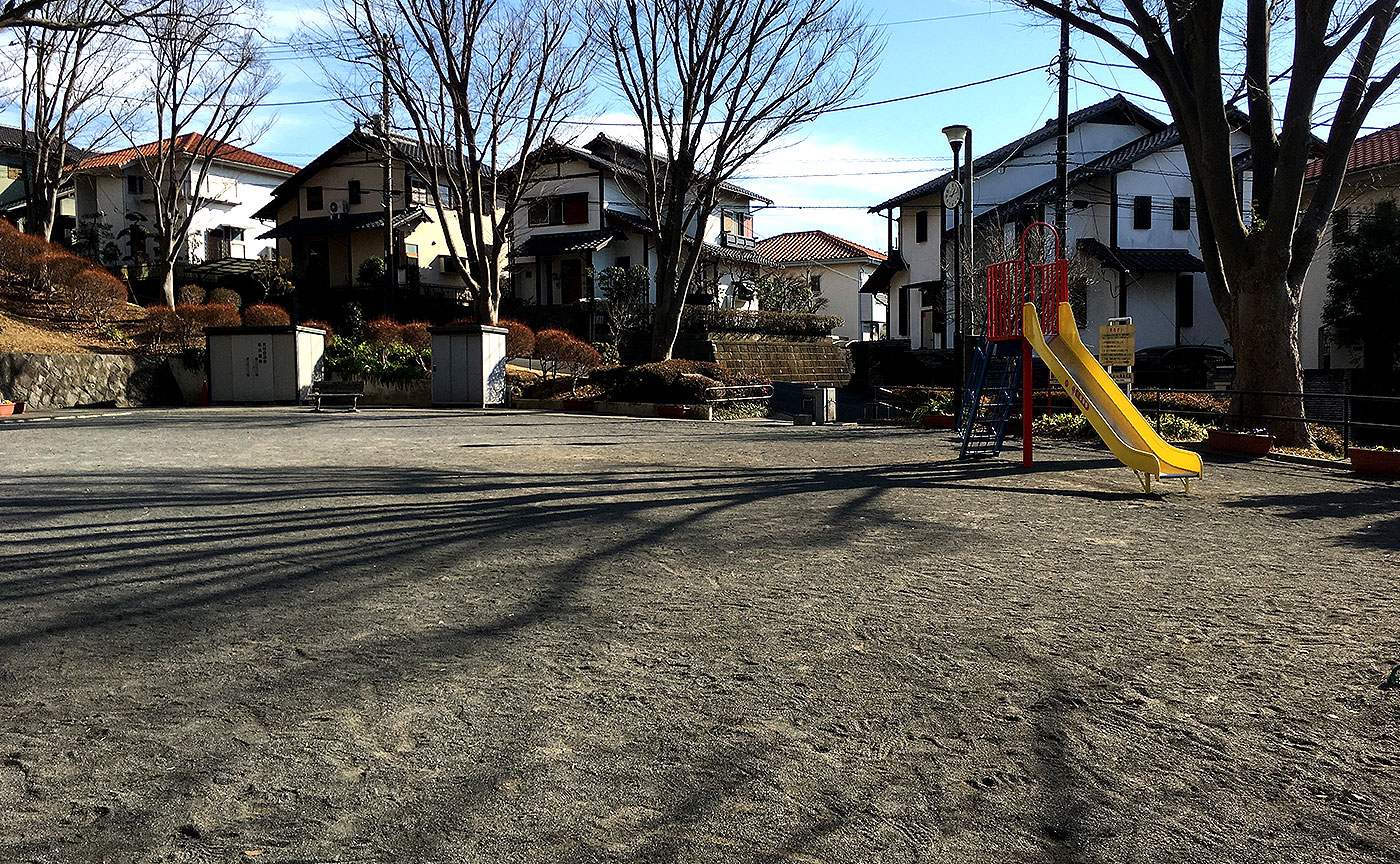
(1121, 426)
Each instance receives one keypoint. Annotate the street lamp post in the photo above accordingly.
(960, 138)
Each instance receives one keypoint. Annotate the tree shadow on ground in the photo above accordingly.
(1380, 504)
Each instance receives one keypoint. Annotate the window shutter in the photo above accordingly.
(576, 209)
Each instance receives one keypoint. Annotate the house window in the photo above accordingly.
(1341, 221)
(354, 191)
(135, 184)
(737, 223)
(410, 254)
(815, 281)
(1185, 300)
(560, 210)
(921, 227)
(314, 200)
(16, 172)
(418, 190)
(1142, 212)
(1181, 214)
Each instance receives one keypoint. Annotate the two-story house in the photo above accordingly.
(115, 189)
(330, 218)
(837, 270)
(1133, 232)
(17, 164)
(579, 214)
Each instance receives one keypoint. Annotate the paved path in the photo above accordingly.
(426, 636)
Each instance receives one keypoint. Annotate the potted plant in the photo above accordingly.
(1375, 461)
(936, 413)
(1255, 442)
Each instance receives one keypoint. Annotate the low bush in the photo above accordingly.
(50, 271)
(92, 295)
(1062, 426)
(559, 352)
(351, 359)
(383, 332)
(712, 319)
(1329, 440)
(18, 250)
(520, 339)
(321, 325)
(415, 334)
(189, 294)
(221, 315)
(937, 404)
(226, 296)
(685, 381)
(265, 315)
(162, 327)
(189, 331)
(1174, 428)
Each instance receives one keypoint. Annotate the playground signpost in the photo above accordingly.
(1118, 349)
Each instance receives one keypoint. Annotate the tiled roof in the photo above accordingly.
(193, 144)
(565, 243)
(798, 246)
(613, 155)
(1142, 260)
(13, 137)
(1373, 151)
(1045, 133)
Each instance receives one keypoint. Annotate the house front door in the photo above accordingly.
(570, 280)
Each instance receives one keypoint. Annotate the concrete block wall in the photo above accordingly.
(73, 380)
(801, 362)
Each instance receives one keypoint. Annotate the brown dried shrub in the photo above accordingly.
(227, 296)
(189, 294)
(383, 332)
(92, 295)
(520, 339)
(265, 315)
(221, 315)
(320, 325)
(415, 335)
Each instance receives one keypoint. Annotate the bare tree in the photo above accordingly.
(206, 76)
(53, 14)
(714, 83)
(481, 84)
(65, 77)
(1207, 59)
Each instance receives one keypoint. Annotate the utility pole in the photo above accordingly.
(391, 276)
(1062, 145)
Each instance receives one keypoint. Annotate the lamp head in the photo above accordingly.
(957, 135)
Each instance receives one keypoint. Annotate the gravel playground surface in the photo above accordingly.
(413, 636)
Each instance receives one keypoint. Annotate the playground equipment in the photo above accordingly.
(1029, 304)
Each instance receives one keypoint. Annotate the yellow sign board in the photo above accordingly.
(1117, 345)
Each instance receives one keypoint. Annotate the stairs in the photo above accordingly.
(990, 398)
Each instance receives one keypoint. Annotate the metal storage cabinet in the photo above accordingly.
(469, 365)
(263, 364)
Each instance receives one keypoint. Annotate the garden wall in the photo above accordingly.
(800, 362)
(75, 380)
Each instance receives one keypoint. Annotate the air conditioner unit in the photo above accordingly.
(339, 208)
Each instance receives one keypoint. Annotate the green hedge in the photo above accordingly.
(712, 319)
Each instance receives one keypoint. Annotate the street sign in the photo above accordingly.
(1123, 379)
(1117, 345)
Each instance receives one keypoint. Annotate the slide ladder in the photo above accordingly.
(990, 398)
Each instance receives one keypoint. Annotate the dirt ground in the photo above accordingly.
(277, 636)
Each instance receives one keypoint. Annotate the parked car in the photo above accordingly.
(1180, 367)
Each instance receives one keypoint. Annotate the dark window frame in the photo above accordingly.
(1181, 214)
(315, 198)
(1142, 212)
(921, 226)
(1185, 300)
(353, 191)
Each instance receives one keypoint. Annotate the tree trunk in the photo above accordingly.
(670, 302)
(1265, 340)
(166, 271)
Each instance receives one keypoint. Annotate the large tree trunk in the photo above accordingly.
(670, 303)
(166, 273)
(1265, 337)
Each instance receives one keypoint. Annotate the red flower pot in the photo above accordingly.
(21, 406)
(1239, 443)
(938, 421)
(6, 409)
(1375, 461)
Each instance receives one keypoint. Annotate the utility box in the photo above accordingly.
(270, 365)
(469, 365)
(822, 404)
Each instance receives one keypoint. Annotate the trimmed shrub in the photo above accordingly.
(415, 334)
(383, 332)
(18, 250)
(93, 295)
(189, 332)
(937, 404)
(520, 339)
(53, 269)
(265, 315)
(227, 296)
(561, 351)
(330, 333)
(189, 294)
(221, 315)
(162, 327)
(685, 381)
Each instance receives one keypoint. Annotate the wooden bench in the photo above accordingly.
(341, 391)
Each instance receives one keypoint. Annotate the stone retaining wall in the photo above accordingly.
(800, 362)
(74, 380)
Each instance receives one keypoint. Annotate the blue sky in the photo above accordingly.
(851, 159)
